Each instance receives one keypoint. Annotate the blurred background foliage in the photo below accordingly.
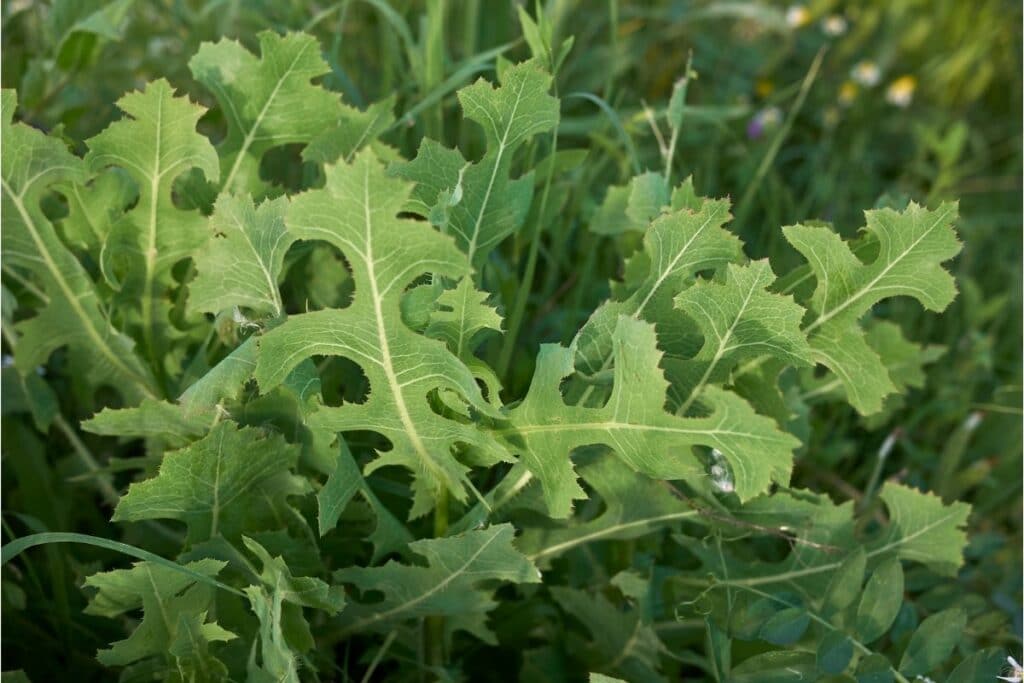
(797, 112)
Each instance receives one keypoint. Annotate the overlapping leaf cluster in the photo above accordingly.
(155, 266)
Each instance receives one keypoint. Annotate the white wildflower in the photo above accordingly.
(834, 25)
(797, 16)
(866, 73)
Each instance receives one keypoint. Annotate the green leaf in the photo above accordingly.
(267, 101)
(620, 643)
(786, 626)
(676, 246)
(776, 667)
(980, 666)
(631, 207)
(191, 649)
(155, 143)
(79, 28)
(278, 602)
(739, 319)
(149, 419)
(232, 480)
(845, 585)
(343, 483)
(601, 678)
(93, 209)
(834, 652)
(911, 246)
(925, 530)
(461, 317)
(457, 582)
(355, 130)
(32, 164)
(635, 425)
(29, 394)
(169, 600)
(224, 380)
(356, 212)
(492, 205)
(874, 668)
(904, 361)
(634, 506)
(241, 264)
(881, 601)
(933, 641)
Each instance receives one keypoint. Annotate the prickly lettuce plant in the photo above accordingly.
(310, 376)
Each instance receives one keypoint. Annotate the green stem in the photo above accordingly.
(367, 677)
(743, 205)
(674, 141)
(613, 45)
(876, 474)
(434, 626)
(107, 490)
(526, 284)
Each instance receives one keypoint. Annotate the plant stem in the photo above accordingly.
(743, 205)
(434, 626)
(876, 474)
(379, 656)
(613, 45)
(526, 284)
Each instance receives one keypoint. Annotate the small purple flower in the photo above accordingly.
(763, 120)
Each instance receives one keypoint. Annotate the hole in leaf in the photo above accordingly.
(371, 597)
(213, 125)
(592, 392)
(318, 277)
(363, 443)
(193, 191)
(342, 380)
(283, 166)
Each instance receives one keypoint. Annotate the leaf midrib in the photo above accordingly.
(608, 531)
(70, 297)
(826, 316)
(251, 133)
(382, 338)
(440, 586)
(471, 249)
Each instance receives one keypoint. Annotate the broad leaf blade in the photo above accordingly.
(268, 100)
(32, 164)
(232, 480)
(454, 583)
(911, 247)
(357, 212)
(241, 264)
(636, 426)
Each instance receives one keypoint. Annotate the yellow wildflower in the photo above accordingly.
(797, 16)
(901, 91)
(764, 87)
(848, 93)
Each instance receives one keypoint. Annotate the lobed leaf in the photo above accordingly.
(357, 212)
(911, 246)
(72, 316)
(634, 423)
(454, 583)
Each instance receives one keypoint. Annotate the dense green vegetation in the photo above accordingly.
(437, 340)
